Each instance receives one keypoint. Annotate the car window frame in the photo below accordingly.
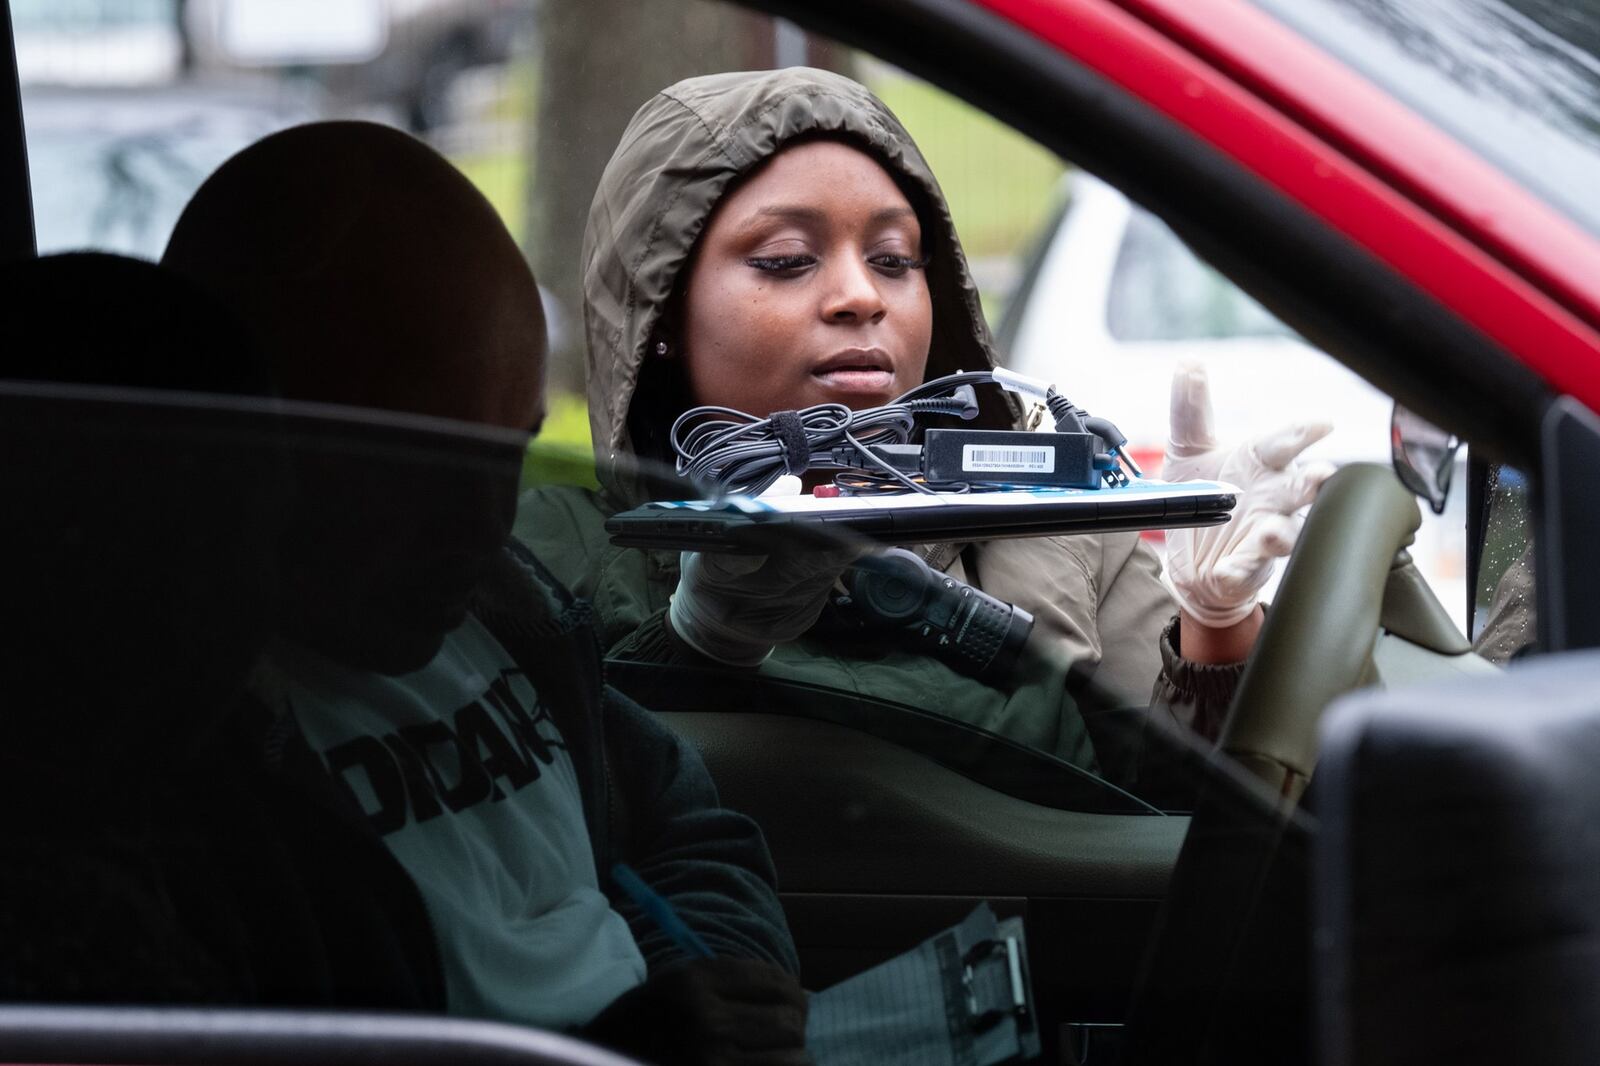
(16, 193)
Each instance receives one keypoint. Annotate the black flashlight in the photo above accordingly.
(970, 630)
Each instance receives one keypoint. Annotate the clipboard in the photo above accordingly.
(960, 998)
(748, 525)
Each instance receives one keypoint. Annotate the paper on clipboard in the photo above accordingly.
(961, 998)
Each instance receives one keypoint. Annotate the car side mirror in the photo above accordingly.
(1424, 456)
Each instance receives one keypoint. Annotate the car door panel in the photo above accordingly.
(846, 811)
(16, 203)
(877, 847)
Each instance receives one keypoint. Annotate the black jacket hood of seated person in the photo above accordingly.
(679, 156)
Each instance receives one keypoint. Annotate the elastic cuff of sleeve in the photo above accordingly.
(1201, 682)
(1214, 618)
(655, 642)
(746, 658)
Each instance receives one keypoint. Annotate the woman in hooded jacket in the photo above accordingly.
(770, 240)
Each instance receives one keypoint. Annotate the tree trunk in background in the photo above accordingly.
(602, 59)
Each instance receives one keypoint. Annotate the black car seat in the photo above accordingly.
(168, 840)
(152, 855)
(121, 512)
(1458, 872)
(132, 539)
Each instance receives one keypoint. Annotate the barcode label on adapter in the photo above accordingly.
(989, 459)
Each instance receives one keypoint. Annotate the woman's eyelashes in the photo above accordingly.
(889, 264)
(786, 266)
(895, 265)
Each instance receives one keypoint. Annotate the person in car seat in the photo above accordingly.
(449, 685)
(769, 240)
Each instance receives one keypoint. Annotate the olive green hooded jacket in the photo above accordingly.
(1100, 608)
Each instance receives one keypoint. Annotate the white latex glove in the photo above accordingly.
(737, 608)
(1217, 572)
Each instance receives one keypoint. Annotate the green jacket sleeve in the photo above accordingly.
(1100, 608)
(1194, 694)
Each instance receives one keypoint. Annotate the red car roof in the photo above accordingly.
(1329, 139)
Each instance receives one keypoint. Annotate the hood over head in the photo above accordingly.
(683, 151)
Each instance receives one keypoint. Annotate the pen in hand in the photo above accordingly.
(660, 912)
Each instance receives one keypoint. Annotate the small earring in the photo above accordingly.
(662, 349)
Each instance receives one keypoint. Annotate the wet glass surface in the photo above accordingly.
(1505, 623)
(1518, 81)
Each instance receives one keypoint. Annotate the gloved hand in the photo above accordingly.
(721, 1012)
(1217, 572)
(736, 608)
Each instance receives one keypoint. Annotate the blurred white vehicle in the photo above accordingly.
(1114, 300)
(96, 42)
(401, 54)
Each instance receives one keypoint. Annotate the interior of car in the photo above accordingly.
(1169, 925)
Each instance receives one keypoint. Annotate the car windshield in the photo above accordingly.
(1517, 80)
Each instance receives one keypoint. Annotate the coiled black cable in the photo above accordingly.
(741, 453)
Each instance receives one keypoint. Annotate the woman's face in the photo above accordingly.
(808, 288)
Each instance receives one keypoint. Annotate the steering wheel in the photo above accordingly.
(1349, 575)
(1229, 930)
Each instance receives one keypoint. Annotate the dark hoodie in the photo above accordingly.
(1100, 608)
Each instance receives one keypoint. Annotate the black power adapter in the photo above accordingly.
(991, 457)
(1012, 458)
